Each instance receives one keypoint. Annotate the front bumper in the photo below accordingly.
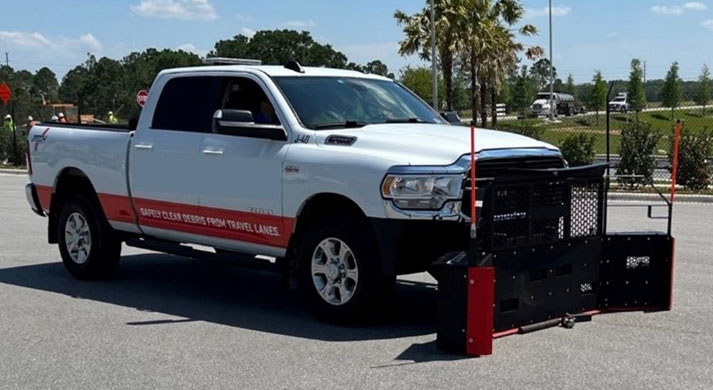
(33, 199)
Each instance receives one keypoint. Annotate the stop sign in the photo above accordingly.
(141, 97)
(5, 92)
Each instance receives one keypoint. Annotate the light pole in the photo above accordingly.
(434, 68)
(552, 72)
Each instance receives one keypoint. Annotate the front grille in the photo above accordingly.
(499, 167)
(533, 208)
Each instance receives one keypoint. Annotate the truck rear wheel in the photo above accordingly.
(340, 273)
(88, 245)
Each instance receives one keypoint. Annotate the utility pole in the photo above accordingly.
(7, 58)
(647, 100)
(552, 72)
(434, 60)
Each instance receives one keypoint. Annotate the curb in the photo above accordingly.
(682, 198)
(13, 171)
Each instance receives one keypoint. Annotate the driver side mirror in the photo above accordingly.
(241, 123)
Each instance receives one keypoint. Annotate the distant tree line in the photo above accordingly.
(100, 85)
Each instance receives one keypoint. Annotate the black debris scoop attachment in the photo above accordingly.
(541, 258)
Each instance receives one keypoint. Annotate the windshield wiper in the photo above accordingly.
(338, 125)
(405, 120)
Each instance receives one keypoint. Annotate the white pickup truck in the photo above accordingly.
(344, 179)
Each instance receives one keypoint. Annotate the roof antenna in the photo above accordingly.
(294, 65)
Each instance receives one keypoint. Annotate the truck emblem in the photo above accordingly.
(40, 138)
(302, 139)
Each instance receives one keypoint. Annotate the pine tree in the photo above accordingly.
(569, 85)
(703, 96)
(598, 94)
(637, 95)
(672, 91)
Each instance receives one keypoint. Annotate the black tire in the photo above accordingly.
(372, 290)
(101, 259)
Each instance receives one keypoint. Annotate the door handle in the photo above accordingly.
(213, 152)
(143, 146)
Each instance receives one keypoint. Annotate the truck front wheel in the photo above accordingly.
(88, 245)
(340, 271)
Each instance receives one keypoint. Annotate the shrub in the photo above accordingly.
(694, 169)
(523, 128)
(578, 149)
(638, 142)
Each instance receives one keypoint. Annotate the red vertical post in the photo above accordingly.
(674, 168)
(473, 187)
(479, 322)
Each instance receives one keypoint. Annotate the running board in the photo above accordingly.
(234, 258)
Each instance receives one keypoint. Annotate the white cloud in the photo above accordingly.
(707, 24)
(23, 39)
(695, 6)
(191, 48)
(243, 18)
(248, 32)
(300, 24)
(175, 9)
(35, 40)
(560, 10)
(188, 48)
(91, 41)
(678, 9)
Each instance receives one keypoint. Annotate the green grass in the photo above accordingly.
(660, 121)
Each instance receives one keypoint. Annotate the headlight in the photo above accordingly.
(421, 192)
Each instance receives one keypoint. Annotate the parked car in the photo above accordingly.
(620, 103)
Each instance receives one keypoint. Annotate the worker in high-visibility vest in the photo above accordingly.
(8, 128)
(111, 119)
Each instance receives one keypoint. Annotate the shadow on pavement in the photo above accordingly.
(227, 295)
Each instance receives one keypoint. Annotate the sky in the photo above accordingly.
(588, 34)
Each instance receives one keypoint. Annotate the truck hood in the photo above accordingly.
(426, 144)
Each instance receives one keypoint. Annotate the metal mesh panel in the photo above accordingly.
(585, 209)
(543, 211)
(510, 215)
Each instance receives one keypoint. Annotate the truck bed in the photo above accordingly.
(100, 152)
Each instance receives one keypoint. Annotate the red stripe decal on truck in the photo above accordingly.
(44, 195)
(208, 221)
(117, 208)
(215, 222)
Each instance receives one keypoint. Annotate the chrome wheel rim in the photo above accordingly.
(77, 238)
(335, 273)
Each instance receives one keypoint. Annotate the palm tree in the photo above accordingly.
(489, 47)
(417, 28)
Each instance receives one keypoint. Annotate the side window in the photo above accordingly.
(241, 93)
(188, 104)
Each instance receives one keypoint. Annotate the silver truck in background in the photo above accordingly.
(563, 104)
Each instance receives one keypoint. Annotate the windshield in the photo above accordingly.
(333, 102)
(541, 96)
(619, 99)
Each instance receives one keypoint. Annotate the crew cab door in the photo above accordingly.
(165, 158)
(241, 188)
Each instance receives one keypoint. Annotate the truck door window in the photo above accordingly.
(244, 94)
(188, 104)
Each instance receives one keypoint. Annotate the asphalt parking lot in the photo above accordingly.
(169, 322)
